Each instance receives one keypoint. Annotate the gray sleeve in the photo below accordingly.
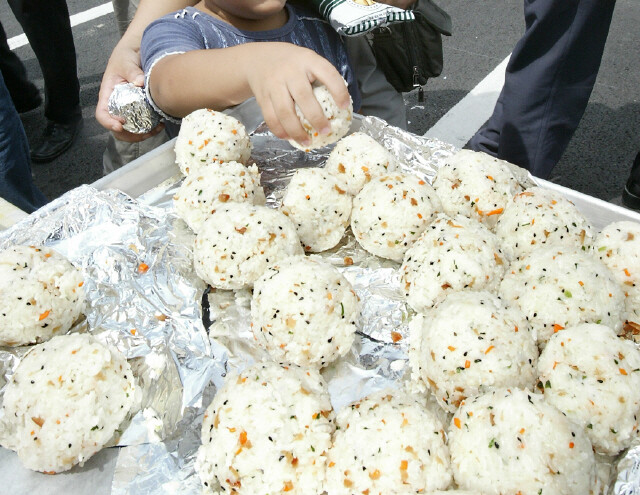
(169, 35)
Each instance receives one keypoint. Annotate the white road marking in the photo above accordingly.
(460, 123)
(80, 18)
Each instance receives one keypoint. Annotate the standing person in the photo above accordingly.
(48, 29)
(16, 183)
(548, 82)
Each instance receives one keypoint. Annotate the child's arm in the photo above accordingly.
(277, 74)
(124, 62)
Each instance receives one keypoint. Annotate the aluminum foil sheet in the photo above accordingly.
(185, 343)
(129, 102)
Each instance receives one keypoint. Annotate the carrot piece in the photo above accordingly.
(143, 268)
(497, 211)
(489, 349)
(44, 315)
(557, 328)
(456, 421)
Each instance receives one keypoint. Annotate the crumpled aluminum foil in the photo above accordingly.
(108, 234)
(129, 102)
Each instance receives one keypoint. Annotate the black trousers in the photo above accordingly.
(46, 24)
(548, 81)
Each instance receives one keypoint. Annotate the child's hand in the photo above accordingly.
(281, 76)
(123, 66)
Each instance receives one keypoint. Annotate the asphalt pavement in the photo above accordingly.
(596, 162)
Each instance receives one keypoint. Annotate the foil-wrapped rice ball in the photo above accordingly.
(593, 376)
(387, 443)
(453, 254)
(267, 431)
(539, 217)
(318, 207)
(41, 295)
(391, 212)
(469, 344)
(560, 288)
(236, 244)
(201, 194)
(476, 185)
(65, 402)
(618, 247)
(208, 137)
(356, 159)
(303, 311)
(512, 441)
(339, 120)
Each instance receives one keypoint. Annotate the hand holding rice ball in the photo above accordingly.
(303, 312)
(207, 137)
(41, 295)
(65, 402)
(339, 120)
(267, 431)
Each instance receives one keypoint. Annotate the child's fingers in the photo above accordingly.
(284, 108)
(302, 94)
(271, 119)
(331, 78)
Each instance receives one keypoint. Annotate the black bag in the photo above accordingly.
(410, 52)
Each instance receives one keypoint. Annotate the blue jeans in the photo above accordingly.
(16, 183)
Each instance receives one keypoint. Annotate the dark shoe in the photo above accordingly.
(631, 193)
(56, 139)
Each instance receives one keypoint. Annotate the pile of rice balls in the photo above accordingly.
(520, 372)
(70, 393)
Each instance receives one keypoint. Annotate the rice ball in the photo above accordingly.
(267, 431)
(453, 254)
(41, 295)
(540, 217)
(512, 441)
(558, 289)
(356, 159)
(201, 194)
(236, 244)
(387, 443)
(618, 247)
(318, 207)
(476, 185)
(65, 401)
(593, 376)
(207, 137)
(469, 344)
(303, 311)
(339, 120)
(391, 212)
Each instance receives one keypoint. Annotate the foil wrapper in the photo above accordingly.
(189, 338)
(129, 102)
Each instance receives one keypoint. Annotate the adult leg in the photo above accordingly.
(24, 93)
(16, 183)
(47, 26)
(548, 82)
